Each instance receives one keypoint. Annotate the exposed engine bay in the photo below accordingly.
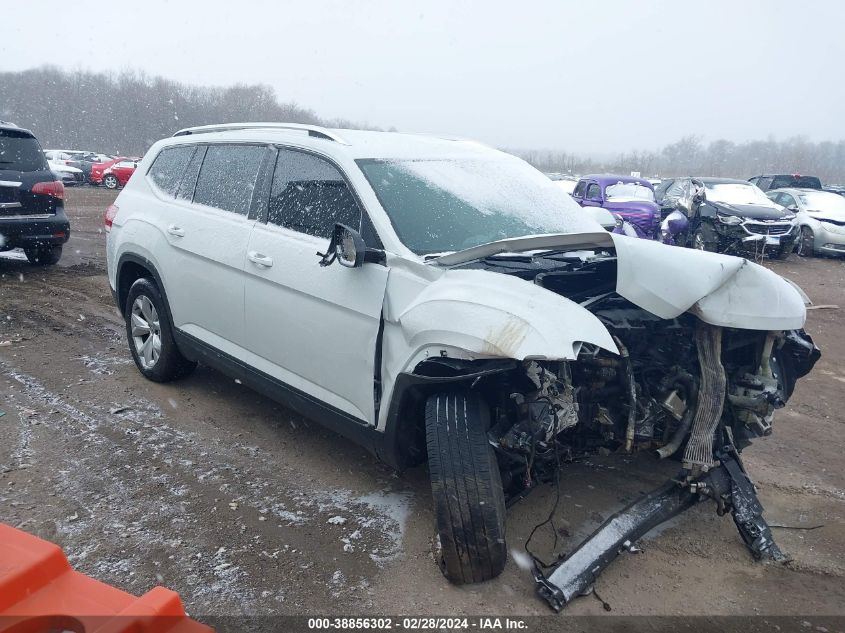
(679, 388)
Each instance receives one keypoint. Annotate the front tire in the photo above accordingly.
(110, 182)
(704, 239)
(806, 242)
(44, 256)
(150, 334)
(469, 502)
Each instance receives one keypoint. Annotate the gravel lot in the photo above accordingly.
(244, 507)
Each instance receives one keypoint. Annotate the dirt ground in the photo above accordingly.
(246, 508)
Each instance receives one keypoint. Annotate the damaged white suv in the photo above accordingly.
(437, 299)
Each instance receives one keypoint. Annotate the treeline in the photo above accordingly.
(691, 156)
(125, 113)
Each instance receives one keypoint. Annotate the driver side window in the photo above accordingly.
(309, 195)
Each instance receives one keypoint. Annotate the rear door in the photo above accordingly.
(207, 225)
(314, 328)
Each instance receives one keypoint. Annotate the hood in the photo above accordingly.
(751, 211)
(669, 281)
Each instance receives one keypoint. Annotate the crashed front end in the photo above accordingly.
(691, 380)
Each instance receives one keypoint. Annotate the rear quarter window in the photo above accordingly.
(169, 166)
(20, 151)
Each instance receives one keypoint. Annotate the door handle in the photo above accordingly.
(178, 231)
(257, 258)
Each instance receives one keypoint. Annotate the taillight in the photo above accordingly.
(55, 189)
(109, 218)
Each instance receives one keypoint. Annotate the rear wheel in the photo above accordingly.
(150, 334)
(110, 182)
(44, 256)
(469, 503)
(807, 242)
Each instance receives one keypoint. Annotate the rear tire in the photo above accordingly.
(469, 503)
(150, 334)
(806, 242)
(44, 256)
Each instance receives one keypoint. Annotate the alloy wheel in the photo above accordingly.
(146, 331)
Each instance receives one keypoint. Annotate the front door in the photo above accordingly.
(314, 328)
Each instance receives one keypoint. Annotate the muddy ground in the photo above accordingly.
(232, 500)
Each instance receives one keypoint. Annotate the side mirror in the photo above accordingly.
(346, 246)
(793, 207)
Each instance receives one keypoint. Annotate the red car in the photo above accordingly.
(97, 169)
(117, 174)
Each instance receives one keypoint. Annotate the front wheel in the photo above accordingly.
(44, 256)
(469, 502)
(110, 182)
(150, 334)
(704, 239)
(806, 242)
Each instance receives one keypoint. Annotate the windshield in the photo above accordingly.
(20, 151)
(443, 205)
(822, 201)
(737, 193)
(628, 191)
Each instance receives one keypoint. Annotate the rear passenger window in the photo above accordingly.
(169, 166)
(309, 195)
(227, 177)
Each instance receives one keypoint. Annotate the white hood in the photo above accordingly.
(669, 280)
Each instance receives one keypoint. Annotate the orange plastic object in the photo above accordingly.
(40, 593)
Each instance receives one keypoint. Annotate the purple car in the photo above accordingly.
(626, 196)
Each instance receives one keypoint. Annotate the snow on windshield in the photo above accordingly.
(442, 205)
(823, 201)
(737, 193)
(629, 191)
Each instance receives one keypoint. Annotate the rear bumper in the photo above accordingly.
(34, 231)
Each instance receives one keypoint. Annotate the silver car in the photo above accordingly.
(821, 216)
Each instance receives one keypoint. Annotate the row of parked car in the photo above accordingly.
(77, 167)
(772, 214)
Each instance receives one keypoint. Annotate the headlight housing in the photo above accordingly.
(731, 220)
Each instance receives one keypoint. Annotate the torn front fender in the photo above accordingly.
(494, 315)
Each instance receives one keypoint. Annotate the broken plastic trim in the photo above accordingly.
(727, 484)
(575, 575)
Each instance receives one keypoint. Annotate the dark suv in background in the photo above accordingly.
(32, 214)
(782, 181)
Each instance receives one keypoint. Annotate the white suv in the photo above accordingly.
(475, 317)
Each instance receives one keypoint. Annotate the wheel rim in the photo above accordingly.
(805, 244)
(698, 242)
(146, 331)
(111, 182)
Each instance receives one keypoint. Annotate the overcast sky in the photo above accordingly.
(587, 76)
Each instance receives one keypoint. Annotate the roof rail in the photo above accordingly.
(312, 130)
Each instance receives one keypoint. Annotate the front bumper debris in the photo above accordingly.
(727, 484)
